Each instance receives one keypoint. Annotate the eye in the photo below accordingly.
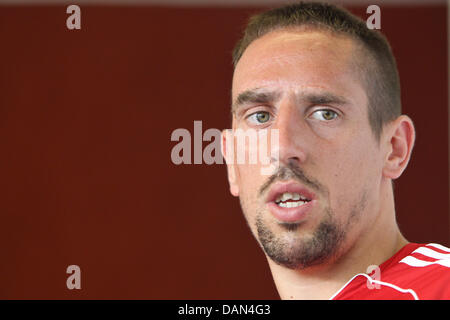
(259, 117)
(324, 115)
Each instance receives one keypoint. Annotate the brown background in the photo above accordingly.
(85, 170)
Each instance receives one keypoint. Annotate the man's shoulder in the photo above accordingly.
(425, 270)
(417, 271)
(430, 256)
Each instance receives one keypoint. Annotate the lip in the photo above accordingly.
(295, 214)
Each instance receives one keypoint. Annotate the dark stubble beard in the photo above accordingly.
(290, 250)
(298, 253)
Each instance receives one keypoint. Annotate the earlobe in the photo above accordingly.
(400, 138)
(228, 155)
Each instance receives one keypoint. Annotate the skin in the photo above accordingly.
(337, 149)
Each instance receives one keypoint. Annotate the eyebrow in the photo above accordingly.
(256, 95)
(259, 95)
(323, 98)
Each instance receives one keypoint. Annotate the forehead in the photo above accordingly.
(296, 59)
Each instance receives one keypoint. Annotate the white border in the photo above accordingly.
(448, 84)
(215, 3)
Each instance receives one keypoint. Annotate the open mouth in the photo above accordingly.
(291, 200)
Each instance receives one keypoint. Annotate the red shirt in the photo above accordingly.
(416, 272)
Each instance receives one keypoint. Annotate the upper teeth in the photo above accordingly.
(290, 196)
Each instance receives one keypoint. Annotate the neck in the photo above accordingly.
(372, 246)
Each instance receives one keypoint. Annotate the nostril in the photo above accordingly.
(292, 153)
(293, 160)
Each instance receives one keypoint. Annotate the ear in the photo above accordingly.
(399, 136)
(228, 142)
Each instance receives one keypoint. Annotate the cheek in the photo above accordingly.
(250, 181)
(354, 169)
(247, 175)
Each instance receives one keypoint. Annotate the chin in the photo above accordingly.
(293, 246)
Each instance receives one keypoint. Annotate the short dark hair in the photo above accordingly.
(379, 69)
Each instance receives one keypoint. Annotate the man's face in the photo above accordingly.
(325, 193)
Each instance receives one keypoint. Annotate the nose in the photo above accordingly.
(292, 133)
